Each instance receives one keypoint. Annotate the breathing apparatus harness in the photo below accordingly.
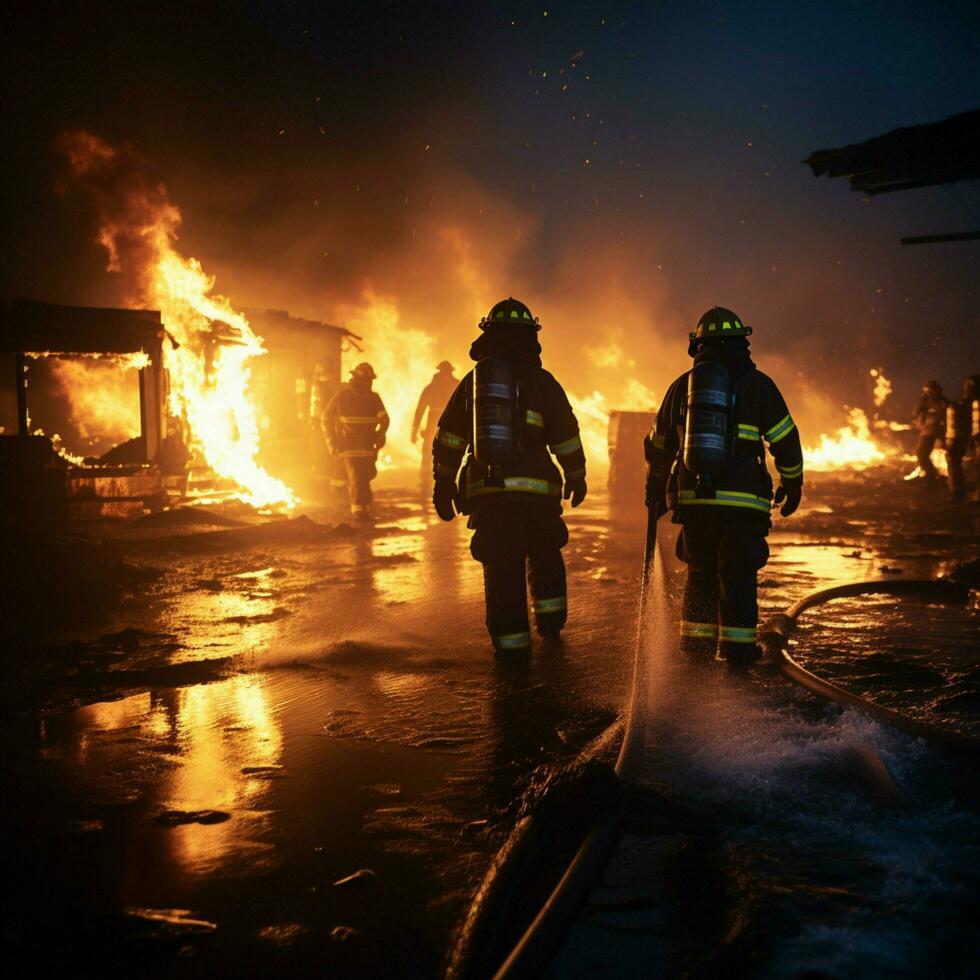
(709, 409)
(496, 395)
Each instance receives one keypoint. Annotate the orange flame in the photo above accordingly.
(209, 375)
(102, 391)
(883, 387)
(593, 418)
(209, 365)
(851, 447)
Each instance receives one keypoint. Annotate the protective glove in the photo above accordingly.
(380, 441)
(792, 493)
(576, 489)
(445, 499)
(655, 492)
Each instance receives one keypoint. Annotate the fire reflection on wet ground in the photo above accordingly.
(359, 724)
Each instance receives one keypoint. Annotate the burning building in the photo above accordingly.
(40, 479)
(79, 438)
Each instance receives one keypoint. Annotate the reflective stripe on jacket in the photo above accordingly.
(355, 422)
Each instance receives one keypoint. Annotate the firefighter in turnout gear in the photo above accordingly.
(973, 452)
(511, 420)
(930, 419)
(355, 424)
(962, 426)
(706, 463)
(431, 402)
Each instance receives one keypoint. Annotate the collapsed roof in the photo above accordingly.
(913, 156)
(27, 325)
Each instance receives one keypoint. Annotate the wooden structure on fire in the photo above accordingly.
(33, 472)
(290, 387)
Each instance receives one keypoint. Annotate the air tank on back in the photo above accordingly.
(494, 437)
(706, 426)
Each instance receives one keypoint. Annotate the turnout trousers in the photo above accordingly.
(723, 552)
(361, 470)
(923, 451)
(519, 545)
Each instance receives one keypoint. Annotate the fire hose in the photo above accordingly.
(539, 941)
(776, 637)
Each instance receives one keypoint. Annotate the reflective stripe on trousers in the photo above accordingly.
(557, 604)
(511, 641)
(738, 634)
(706, 631)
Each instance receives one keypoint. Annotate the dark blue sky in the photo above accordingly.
(620, 166)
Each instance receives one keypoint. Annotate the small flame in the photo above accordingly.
(883, 387)
(58, 446)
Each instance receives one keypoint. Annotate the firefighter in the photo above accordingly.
(930, 418)
(431, 402)
(973, 452)
(708, 466)
(509, 416)
(962, 421)
(355, 424)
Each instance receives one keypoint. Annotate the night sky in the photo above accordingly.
(618, 166)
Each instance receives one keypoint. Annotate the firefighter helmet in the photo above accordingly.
(719, 322)
(510, 311)
(363, 372)
(445, 366)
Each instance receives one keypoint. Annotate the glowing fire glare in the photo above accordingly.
(593, 418)
(404, 360)
(103, 395)
(852, 447)
(209, 372)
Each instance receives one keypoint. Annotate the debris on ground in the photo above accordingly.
(176, 818)
(359, 879)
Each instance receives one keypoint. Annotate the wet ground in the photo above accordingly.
(193, 776)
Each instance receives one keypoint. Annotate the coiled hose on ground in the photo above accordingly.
(776, 637)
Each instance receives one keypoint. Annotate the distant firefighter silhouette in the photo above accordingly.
(962, 437)
(431, 402)
(706, 462)
(930, 419)
(509, 417)
(355, 424)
